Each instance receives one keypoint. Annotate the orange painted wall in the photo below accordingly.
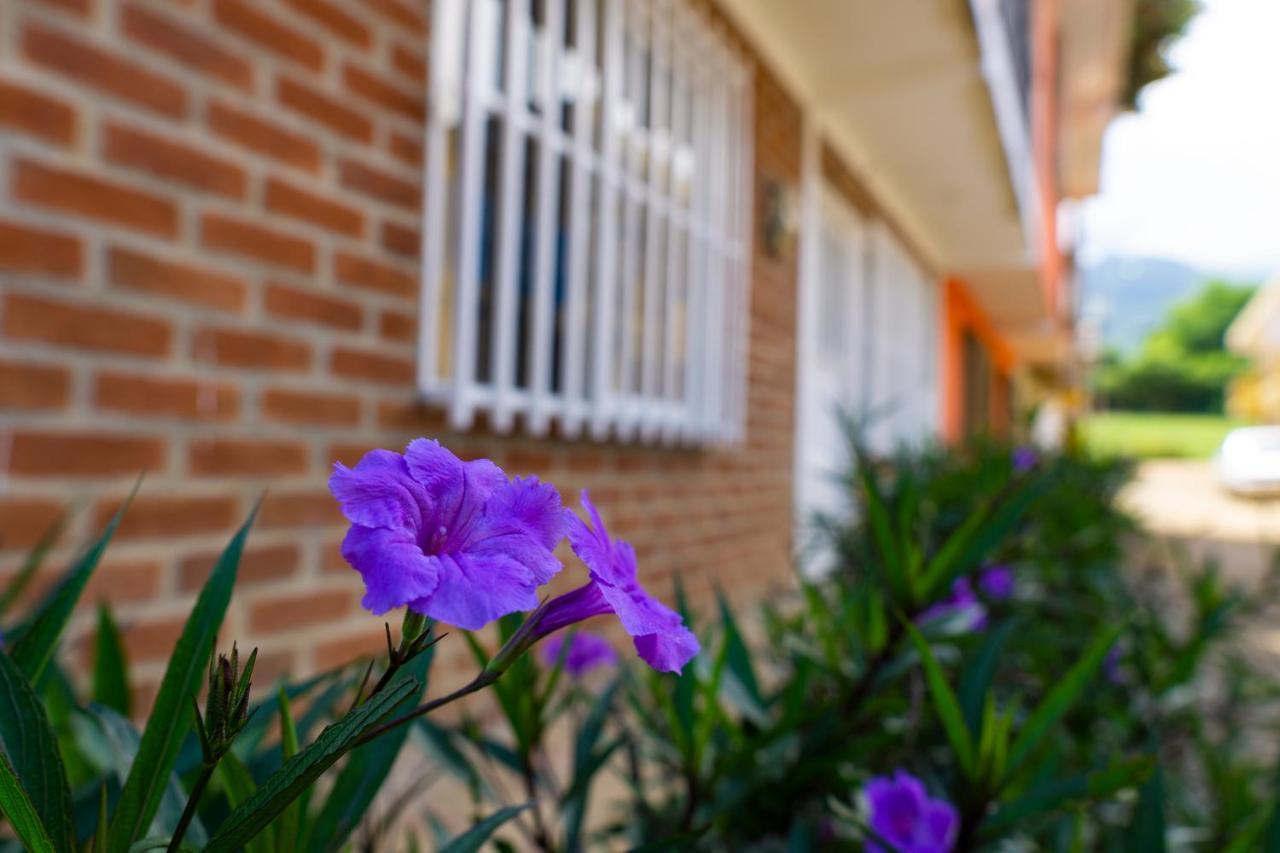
(961, 314)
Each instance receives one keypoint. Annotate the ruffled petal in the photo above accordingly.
(533, 507)
(473, 591)
(487, 544)
(667, 651)
(379, 492)
(394, 569)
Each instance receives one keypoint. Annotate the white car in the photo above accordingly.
(1249, 460)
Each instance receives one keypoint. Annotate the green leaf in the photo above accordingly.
(366, 771)
(739, 656)
(976, 679)
(30, 745)
(21, 813)
(288, 827)
(1067, 690)
(587, 761)
(31, 564)
(171, 717)
(1056, 793)
(238, 783)
(1147, 832)
(110, 666)
(475, 837)
(298, 773)
(34, 647)
(945, 703)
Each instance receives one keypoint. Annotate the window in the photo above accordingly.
(587, 224)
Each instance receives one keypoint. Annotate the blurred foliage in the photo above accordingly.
(1157, 24)
(1183, 365)
(1154, 435)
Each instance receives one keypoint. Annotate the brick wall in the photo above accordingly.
(209, 215)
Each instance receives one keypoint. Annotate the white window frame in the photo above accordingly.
(666, 376)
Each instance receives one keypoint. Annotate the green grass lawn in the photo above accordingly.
(1155, 435)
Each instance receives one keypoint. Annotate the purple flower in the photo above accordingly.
(585, 652)
(1111, 667)
(903, 814)
(996, 582)
(659, 634)
(963, 604)
(456, 541)
(1024, 459)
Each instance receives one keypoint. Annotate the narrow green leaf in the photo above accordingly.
(945, 702)
(238, 783)
(1147, 832)
(366, 771)
(976, 679)
(170, 717)
(1067, 690)
(288, 827)
(34, 647)
(739, 656)
(475, 837)
(100, 834)
(1055, 794)
(586, 763)
(30, 744)
(22, 816)
(31, 564)
(110, 666)
(298, 773)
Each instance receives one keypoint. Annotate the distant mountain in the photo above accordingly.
(1123, 299)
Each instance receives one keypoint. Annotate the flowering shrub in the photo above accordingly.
(977, 672)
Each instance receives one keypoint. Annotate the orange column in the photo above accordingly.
(961, 316)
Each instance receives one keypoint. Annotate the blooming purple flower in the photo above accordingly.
(1111, 667)
(996, 582)
(962, 603)
(585, 652)
(659, 634)
(1024, 458)
(456, 541)
(903, 814)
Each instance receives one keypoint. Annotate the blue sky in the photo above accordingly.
(1194, 175)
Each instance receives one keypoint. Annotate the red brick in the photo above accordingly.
(299, 509)
(348, 452)
(411, 417)
(406, 149)
(174, 280)
(409, 62)
(83, 454)
(377, 184)
(295, 304)
(236, 348)
(308, 407)
(26, 385)
(36, 114)
(298, 610)
(34, 318)
(325, 109)
(307, 206)
(382, 93)
(76, 7)
(172, 160)
(98, 69)
(124, 582)
(396, 326)
(359, 271)
(186, 45)
(257, 565)
(25, 249)
(189, 399)
(151, 640)
(248, 457)
(401, 239)
(334, 19)
(373, 366)
(73, 193)
(24, 521)
(263, 136)
(152, 516)
(251, 240)
(401, 13)
(240, 17)
(366, 642)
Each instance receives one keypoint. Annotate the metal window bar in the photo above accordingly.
(587, 220)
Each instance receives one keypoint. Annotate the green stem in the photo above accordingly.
(189, 813)
(481, 681)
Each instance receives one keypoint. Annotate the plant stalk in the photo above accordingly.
(189, 812)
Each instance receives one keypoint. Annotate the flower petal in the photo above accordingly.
(379, 492)
(474, 590)
(394, 569)
(669, 650)
(534, 508)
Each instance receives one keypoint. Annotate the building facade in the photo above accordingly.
(642, 247)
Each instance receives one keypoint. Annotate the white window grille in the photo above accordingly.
(587, 225)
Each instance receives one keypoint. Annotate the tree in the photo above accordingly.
(1183, 365)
